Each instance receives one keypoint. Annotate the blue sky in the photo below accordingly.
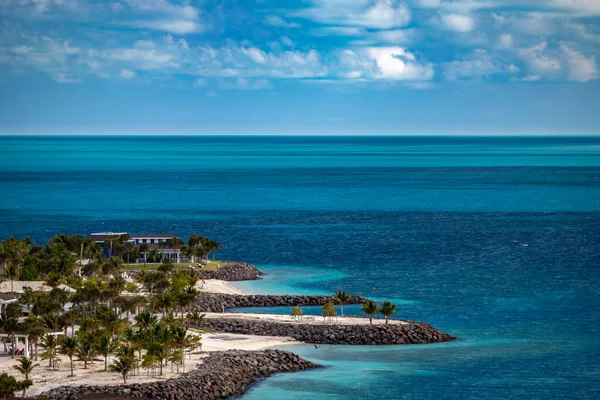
(299, 67)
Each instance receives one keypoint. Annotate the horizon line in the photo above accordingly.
(495, 135)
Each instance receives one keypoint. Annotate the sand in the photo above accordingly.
(217, 286)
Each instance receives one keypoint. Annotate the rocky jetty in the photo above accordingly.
(378, 334)
(221, 375)
(216, 302)
(235, 271)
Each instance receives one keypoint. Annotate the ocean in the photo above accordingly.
(494, 240)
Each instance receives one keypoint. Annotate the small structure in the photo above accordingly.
(36, 286)
(162, 243)
(25, 337)
(5, 300)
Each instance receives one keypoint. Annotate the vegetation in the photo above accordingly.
(297, 312)
(25, 367)
(329, 311)
(341, 298)
(387, 310)
(370, 308)
(147, 315)
(9, 385)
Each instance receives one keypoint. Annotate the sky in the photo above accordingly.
(305, 67)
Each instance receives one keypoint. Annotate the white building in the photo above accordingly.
(160, 243)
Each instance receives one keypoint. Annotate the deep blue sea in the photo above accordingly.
(494, 240)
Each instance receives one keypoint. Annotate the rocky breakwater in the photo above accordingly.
(216, 302)
(221, 375)
(235, 271)
(320, 333)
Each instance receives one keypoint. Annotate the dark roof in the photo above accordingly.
(153, 236)
(8, 296)
(102, 237)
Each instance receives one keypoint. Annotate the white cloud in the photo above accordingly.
(340, 31)
(398, 64)
(458, 23)
(276, 20)
(396, 36)
(581, 68)
(505, 41)
(251, 84)
(63, 77)
(200, 82)
(127, 74)
(287, 41)
(376, 14)
(539, 60)
(178, 27)
(479, 64)
(255, 54)
(21, 49)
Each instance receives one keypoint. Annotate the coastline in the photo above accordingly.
(45, 379)
(250, 335)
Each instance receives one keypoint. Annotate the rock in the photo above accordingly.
(235, 271)
(215, 302)
(331, 333)
(221, 375)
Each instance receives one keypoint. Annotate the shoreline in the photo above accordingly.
(245, 332)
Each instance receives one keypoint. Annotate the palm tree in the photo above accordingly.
(25, 367)
(387, 310)
(123, 365)
(68, 347)
(50, 344)
(12, 272)
(370, 308)
(35, 334)
(342, 298)
(144, 249)
(86, 349)
(112, 266)
(106, 345)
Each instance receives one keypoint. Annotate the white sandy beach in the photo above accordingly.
(217, 286)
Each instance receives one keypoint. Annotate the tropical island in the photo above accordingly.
(146, 316)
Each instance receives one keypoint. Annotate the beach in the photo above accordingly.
(45, 379)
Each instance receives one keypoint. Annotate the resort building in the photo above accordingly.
(102, 238)
(162, 243)
(5, 300)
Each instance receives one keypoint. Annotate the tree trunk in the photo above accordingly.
(125, 377)
(105, 363)
(371, 319)
(71, 358)
(342, 307)
(386, 320)
(144, 259)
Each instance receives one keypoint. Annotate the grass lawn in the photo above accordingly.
(211, 266)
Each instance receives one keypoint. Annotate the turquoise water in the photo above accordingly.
(496, 241)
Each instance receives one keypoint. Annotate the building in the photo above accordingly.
(162, 243)
(5, 300)
(103, 237)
